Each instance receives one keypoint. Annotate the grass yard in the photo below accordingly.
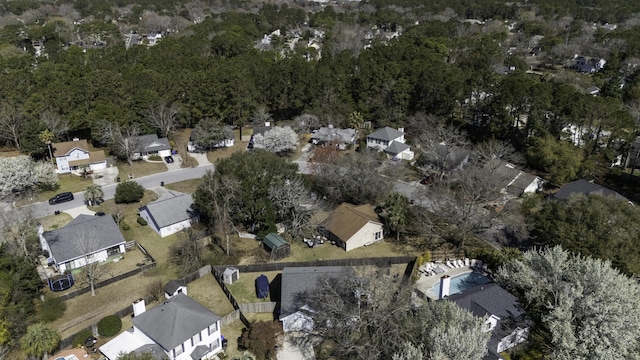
(52, 222)
(207, 292)
(301, 252)
(140, 169)
(244, 290)
(185, 186)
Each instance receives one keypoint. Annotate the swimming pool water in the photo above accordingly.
(461, 283)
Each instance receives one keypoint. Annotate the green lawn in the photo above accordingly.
(301, 252)
(244, 290)
(185, 186)
(207, 292)
(66, 182)
(140, 169)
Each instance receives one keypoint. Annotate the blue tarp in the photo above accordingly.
(262, 286)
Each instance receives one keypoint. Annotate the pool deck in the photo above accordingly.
(425, 283)
(79, 353)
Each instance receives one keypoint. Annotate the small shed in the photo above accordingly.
(230, 275)
(262, 287)
(175, 287)
(277, 246)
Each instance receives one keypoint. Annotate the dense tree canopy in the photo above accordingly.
(573, 302)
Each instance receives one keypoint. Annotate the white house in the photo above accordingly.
(331, 135)
(72, 155)
(228, 141)
(178, 329)
(297, 280)
(171, 213)
(506, 319)
(391, 141)
(151, 145)
(85, 240)
(351, 226)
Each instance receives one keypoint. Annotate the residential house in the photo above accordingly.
(172, 212)
(330, 135)
(351, 226)
(588, 66)
(151, 145)
(85, 240)
(297, 281)
(74, 155)
(585, 187)
(228, 141)
(175, 287)
(579, 134)
(178, 329)
(152, 39)
(511, 179)
(391, 139)
(506, 319)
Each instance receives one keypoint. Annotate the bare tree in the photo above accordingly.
(54, 123)
(306, 122)
(123, 141)
(495, 149)
(93, 270)
(187, 253)
(220, 192)
(294, 206)
(164, 117)
(11, 122)
(19, 231)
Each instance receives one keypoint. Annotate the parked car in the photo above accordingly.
(168, 159)
(60, 198)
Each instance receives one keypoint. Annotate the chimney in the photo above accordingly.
(401, 129)
(138, 307)
(76, 139)
(445, 282)
(267, 123)
(330, 126)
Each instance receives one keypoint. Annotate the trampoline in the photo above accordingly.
(61, 282)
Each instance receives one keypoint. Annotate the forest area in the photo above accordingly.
(485, 78)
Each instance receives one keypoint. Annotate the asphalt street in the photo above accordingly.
(148, 182)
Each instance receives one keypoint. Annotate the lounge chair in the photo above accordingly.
(473, 263)
(466, 262)
(448, 263)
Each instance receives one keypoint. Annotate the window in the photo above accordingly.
(377, 235)
(213, 328)
(179, 349)
(215, 344)
(195, 339)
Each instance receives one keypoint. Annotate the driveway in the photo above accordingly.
(201, 158)
(176, 164)
(289, 350)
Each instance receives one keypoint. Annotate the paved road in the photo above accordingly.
(148, 182)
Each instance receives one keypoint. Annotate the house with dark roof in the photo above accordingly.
(330, 135)
(296, 281)
(585, 187)
(175, 287)
(151, 145)
(351, 226)
(506, 319)
(511, 179)
(171, 213)
(85, 240)
(72, 156)
(178, 329)
(391, 139)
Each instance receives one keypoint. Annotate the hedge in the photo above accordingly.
(141, 221)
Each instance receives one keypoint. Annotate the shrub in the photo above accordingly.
(141, 221)
(109, 326)
(155, 157)
(52, 308)
(81, 337)
(128, 192)
(261, 339)
(125, 226)
(155, 290)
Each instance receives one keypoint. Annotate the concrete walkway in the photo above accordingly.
(201, 158)
(290, 351)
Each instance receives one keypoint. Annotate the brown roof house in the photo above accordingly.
(352, 226)
(72, 155)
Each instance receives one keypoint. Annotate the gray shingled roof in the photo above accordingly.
(491, 299)
(171, 208)
(386, 133)
(396, 148)
(328, 135)
(174, 321)
(151, 143)
(296, 280)
(586, 188)
(83, 235)
(173, 285)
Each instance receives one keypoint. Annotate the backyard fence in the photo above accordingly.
(146, 253)
(106, 282)
(130, 245)
(276, 266)
(217, 274)
(230, 318)
(443, 255)
(261, 307)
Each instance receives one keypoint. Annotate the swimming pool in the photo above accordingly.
(461, 283)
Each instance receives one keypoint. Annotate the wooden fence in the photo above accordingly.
(276, 266)
(261, 307)
(217, 274)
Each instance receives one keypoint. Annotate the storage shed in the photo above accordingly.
(276, 245)
(230, 275)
